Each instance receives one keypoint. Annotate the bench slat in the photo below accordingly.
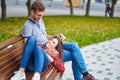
(7, 50)
(54, 73)
(46, 73)
(8, 73)
(10, 41)
(10, 63)
(11, 54)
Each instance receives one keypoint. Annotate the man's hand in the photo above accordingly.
(61, 36)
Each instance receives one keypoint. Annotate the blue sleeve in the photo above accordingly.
(27, 30)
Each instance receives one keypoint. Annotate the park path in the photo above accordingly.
(102, 59)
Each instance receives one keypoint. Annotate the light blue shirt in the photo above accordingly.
(37, 29)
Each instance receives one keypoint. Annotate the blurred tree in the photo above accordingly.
(28, 4)
(71, 7)
(87, 8)
(113, 6)
(3, 8)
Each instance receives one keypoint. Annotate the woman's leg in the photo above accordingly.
(76, 71)
(76, 54)
(78, 64)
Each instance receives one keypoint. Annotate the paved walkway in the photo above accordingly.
(102, 59)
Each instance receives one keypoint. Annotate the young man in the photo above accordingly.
(35, 33)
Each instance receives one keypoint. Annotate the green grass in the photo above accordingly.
(84, 30)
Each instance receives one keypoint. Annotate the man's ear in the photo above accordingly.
(32, 12)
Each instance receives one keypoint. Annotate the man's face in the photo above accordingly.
(37, 15)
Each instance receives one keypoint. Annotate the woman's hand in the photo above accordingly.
(62, 37)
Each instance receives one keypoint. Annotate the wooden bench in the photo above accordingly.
(10, 54)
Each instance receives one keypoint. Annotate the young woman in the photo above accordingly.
(54, 51)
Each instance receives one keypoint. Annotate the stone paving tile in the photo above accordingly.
(102, 59)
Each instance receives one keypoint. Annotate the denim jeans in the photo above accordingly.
(72, 53)
(34, 58)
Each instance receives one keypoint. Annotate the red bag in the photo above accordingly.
(57, 63)
(109, 8)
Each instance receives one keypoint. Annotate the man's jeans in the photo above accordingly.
(34, 58)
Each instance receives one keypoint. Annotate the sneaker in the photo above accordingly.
(36, 77)
(18, 76)
(88, 77)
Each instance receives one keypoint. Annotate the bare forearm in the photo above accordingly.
(50, 37)
(50, 58)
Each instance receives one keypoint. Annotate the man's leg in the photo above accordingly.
(106, 13)
(30, 67)
(27, 51)
(37, 62)
(41, 59)
(109, 12)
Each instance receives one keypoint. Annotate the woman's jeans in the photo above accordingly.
(72, 53)
(34, 58)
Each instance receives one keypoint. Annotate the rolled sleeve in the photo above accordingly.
(27, 31)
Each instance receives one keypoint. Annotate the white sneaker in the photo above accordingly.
(18, 76)
(36, 77)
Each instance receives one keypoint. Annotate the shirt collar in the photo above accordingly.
(32, 21)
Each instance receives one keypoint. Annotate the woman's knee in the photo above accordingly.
(74, 44)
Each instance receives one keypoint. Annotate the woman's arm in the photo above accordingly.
(49, 37)
(61, 36)
(50, 58)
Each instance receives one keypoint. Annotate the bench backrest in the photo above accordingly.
(10, 53)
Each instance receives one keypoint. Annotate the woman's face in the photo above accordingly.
(52, 43)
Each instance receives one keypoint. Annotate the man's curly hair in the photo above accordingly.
(38, 5)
